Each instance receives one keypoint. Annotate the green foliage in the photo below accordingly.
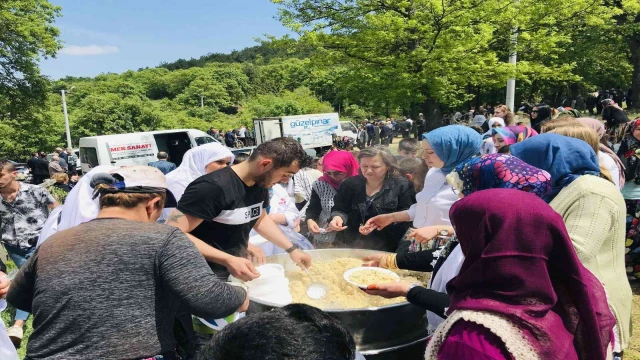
(58, 194)
(26, 34)
(299, 101)
(112, 114)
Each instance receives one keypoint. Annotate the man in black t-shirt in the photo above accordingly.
(218, 209)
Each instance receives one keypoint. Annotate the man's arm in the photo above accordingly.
(268, 229)
(22, 287)
(187, 224)
(189, 277)
(240, 268)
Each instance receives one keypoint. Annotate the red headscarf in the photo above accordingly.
(339, 161)
(521, 264)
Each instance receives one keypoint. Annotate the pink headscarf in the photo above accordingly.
(339, 161)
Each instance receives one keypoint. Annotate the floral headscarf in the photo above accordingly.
(342, 143)
(631, 143)
(499, 171)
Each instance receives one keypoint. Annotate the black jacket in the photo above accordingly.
(614, 116)
(350, 203)
(42, 167)
(32, 164)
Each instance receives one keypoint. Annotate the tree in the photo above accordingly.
(628, 22)
(213, 93)
(400, 51)
(26, 34)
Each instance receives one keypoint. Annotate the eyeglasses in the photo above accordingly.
(334, 173)
(534, 112)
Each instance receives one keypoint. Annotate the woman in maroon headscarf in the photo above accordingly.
(336, 166)
(521, 293)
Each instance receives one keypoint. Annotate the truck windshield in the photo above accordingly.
(347, 126)
(204, 140)
(89, 155)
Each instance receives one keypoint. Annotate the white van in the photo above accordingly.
(139, 148)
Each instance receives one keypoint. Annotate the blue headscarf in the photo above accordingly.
(565, 158)
(454, 144)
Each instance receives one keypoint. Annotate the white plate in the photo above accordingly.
(347, 274)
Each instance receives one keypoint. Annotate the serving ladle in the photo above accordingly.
(316, 290)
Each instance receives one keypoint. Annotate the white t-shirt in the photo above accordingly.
(242, 132)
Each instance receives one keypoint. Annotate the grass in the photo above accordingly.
(9, 314)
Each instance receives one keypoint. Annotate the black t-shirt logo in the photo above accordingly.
(255, 211)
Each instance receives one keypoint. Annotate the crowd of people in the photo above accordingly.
(529, 229)
(233, 138)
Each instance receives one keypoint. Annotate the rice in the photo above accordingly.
(343, 295)
(368, 277)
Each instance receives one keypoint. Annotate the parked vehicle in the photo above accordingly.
(139, 148)
(312, 131)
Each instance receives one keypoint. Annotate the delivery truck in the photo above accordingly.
(139, 148)
(312, 131)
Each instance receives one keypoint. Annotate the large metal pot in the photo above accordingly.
(375, 330)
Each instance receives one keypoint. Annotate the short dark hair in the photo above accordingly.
(283, 151)
(409, 144)
(294, 332)
(238, 158)
(408, 166)
(163, 155)
(5, 164)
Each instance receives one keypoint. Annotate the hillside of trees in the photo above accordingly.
(376, 58)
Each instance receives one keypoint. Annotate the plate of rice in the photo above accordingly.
(362, 276)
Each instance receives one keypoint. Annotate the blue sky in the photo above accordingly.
(117, 35)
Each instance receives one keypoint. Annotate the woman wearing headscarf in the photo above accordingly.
(487, 146)
(196, 162)
(575, 129)
(79, 206)
(631, 192)
(520, 297)
(539, 115)
(378, 189)
(337, 166)
(594, 212)
(443, 149)
(505, 136)
(480, 173)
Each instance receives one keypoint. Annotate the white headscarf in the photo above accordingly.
(79, 206)
(193, 166)
(494, 120)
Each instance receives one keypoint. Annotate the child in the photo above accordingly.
(408, 148)
(414, 170)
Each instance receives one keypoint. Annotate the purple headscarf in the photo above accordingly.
(521, 264)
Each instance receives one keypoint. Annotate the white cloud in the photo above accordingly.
(77, 50)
